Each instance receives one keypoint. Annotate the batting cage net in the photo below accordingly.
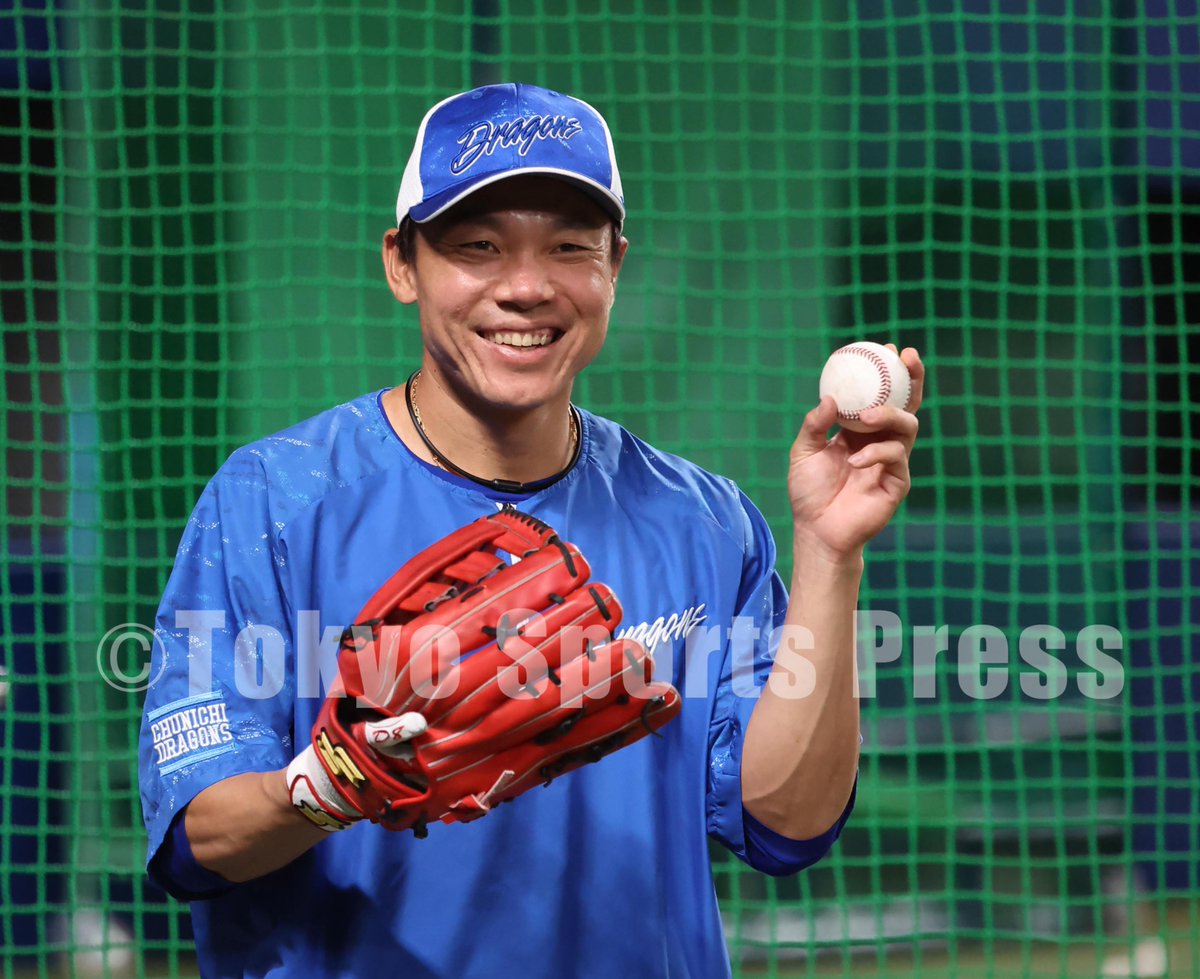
(194, 196)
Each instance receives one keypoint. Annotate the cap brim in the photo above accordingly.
(439, 204)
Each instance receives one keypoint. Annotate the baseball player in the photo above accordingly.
(327, 822)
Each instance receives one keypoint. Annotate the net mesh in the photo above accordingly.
(191, 195)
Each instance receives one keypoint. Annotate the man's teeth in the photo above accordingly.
(515, 339)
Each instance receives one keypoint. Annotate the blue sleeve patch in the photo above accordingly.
(188, 731)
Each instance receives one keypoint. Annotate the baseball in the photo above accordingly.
(864, 375)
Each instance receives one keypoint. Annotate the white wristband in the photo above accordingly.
(314, 794)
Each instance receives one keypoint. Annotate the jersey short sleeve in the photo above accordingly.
(747, 657)
(220, 698)
(761, 610)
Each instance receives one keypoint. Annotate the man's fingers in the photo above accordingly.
(814, 432)
(892, 454)
(916, 370)
(889, 418)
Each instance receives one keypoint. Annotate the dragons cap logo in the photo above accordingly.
(486, 137)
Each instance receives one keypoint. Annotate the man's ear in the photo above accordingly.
(620, 247)
(619, 256)
(399, 273)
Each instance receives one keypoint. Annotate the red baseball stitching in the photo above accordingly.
(885, 380)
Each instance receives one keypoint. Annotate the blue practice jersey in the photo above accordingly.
(603, 873)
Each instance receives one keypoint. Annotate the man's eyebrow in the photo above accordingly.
(581, 224)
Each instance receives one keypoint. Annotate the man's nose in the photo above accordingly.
(525, 282)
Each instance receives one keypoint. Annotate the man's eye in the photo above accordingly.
(481, 246)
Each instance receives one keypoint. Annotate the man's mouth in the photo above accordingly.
(522, 338)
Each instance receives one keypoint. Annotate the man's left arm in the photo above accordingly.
(800, 755)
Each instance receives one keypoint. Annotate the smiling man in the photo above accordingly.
(509, 241)
(514, 285)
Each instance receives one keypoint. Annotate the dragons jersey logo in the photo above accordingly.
(671, 628)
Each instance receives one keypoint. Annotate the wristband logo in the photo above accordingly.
(339, 762)
(316, 815)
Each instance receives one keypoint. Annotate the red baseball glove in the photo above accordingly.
(468, 680)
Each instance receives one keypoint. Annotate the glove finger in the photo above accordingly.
(618, 725)
(524, 654)
(412, 667)
(476, 789)
(520, 532)
(619, 670)
(509, 530)
(425, 567)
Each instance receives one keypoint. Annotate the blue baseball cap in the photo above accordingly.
(475, 138)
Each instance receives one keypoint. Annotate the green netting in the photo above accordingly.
(193, 197)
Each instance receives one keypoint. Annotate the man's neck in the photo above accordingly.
(520, 446)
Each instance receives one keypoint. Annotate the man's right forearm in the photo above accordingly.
(246, 826)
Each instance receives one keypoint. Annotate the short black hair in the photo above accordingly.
(406, 240)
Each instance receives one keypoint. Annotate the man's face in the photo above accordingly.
(514, 285)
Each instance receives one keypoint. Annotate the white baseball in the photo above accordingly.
(864, 375)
